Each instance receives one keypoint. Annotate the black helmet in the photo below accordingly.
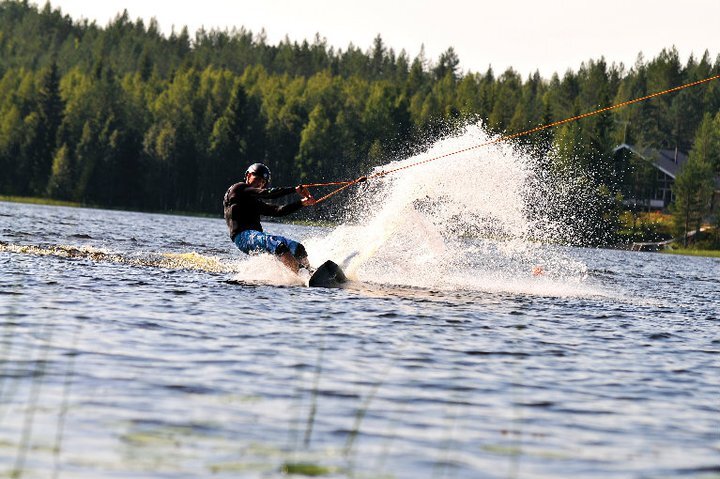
(258, 169)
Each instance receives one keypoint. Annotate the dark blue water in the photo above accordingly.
(145, 346)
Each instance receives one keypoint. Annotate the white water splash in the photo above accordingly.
(455, 223)
(265, 269)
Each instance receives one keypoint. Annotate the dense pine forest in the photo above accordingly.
(124, 116)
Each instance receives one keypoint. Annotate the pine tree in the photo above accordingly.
(693, 187)
(316, 146)
(236, 140)
(61, 181)
(448, 63)
(44, 136)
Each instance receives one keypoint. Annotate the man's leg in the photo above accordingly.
(290, 253)
(252, 242)
(298, 251)
(289, 261)
(287, 252)
(305, 263)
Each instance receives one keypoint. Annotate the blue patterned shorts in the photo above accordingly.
(252, 241)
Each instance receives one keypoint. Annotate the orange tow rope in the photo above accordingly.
(347, 184)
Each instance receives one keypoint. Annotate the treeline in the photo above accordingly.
(124, 116)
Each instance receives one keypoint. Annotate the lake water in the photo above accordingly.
(146, 346)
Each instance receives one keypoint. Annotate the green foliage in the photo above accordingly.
(42, 131)
(318, 146)
(236, 140)
(714, 253)
(642, 227)
(61, 179)
(122, 116)
(305, 469)
(694, 185)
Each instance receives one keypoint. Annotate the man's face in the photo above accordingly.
(255, 181)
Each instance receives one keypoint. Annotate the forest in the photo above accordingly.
(123, 116)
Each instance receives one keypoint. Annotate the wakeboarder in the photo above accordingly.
(243, 204)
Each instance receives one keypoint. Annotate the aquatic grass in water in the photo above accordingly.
(304, 469)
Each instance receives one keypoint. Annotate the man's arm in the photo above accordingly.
(269, 193)
(306, 199)
(267, 209)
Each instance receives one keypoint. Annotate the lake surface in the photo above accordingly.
(146, 346)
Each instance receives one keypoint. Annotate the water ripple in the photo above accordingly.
(150, 352)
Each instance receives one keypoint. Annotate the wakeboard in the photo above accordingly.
(328, 275)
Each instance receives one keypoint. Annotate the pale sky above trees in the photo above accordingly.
(550, 36)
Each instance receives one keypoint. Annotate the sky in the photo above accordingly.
(528, 35)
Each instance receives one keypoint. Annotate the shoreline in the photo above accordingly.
(72, 204)
(706, 253)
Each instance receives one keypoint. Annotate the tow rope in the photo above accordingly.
(500, 139)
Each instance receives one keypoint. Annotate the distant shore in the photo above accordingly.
(75, 204)
(72, 204)
(710, 253)
(41, 201)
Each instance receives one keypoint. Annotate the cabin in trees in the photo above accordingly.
(648, 175)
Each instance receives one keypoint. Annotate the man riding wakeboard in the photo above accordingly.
(244, 203)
